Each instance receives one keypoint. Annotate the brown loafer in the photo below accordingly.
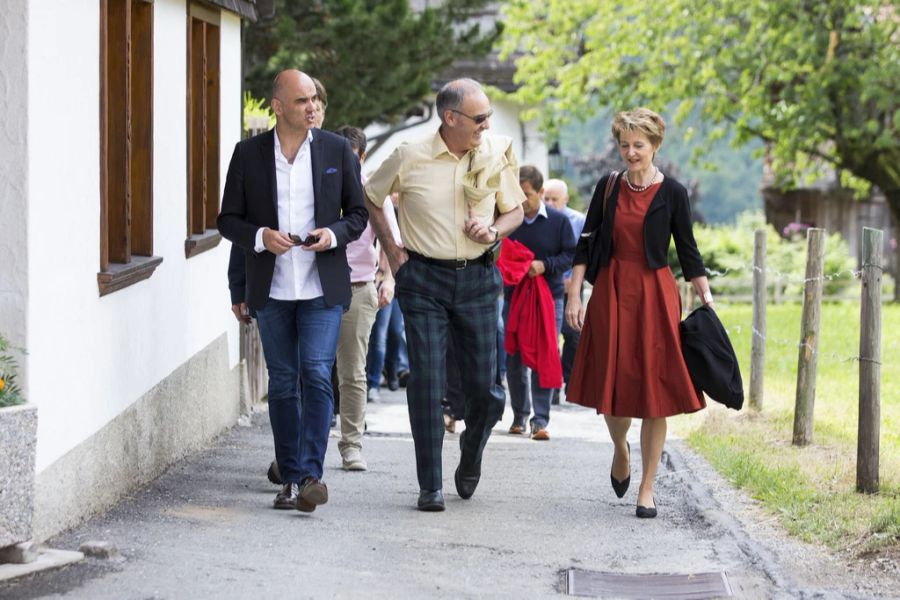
(517, 429)
(312, 493)
(449, 423)
(288, 496)
(540, 434)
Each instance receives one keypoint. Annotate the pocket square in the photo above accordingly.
(330, 170)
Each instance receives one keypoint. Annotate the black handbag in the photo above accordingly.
(593, 238)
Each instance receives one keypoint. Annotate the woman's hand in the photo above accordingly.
(574, 312)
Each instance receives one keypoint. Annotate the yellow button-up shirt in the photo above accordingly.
(439, 192)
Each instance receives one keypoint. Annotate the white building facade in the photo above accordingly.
(110, 277)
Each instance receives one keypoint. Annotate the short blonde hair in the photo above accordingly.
(642, 120)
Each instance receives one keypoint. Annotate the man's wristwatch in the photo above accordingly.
(495, 231)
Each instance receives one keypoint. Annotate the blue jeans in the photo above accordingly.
(299, 339)
(518, 377)
(387, 345)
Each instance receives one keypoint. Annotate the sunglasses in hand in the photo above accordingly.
(309, 241)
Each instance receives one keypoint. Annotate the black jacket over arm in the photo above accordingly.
(250, 202)
(669, 216)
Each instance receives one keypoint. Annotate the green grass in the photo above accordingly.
(811, 489)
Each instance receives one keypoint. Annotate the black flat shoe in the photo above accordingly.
(620, 487)
(645, 512)
(431, 501)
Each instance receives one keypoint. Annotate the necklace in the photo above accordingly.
(641, 188)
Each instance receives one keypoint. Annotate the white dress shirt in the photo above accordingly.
(296, 276)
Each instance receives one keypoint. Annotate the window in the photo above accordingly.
(203, 129)
(126, 144)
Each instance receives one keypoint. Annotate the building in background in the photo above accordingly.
(827, 205)
(113, 277)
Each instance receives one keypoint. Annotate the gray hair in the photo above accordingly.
(558, 183)
(452, 94)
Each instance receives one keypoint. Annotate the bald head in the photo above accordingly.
(556, 193)
(287, 80)
(295, 102)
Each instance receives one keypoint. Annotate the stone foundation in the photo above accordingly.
(181, 414)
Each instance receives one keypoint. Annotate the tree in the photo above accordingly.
(376, 58)
(817, 80)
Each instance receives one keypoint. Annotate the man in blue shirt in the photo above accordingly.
(548, 234)
(556, 195)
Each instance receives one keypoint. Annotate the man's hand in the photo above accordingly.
(536, 268)
(477, 232)
(323, 241)
(241, 312)
(397, 257)
(385, 293)
(276, 242)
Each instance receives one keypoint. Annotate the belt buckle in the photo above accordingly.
(461, 263)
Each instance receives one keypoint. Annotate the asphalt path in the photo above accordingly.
(206, 529)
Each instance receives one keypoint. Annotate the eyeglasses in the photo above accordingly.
(479, 119)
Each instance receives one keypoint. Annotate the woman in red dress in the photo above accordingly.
(629, 363)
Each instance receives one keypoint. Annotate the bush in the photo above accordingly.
(728, 255)
(10, 394)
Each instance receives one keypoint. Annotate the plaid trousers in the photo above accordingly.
(435, 300)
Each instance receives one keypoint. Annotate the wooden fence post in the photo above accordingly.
(868, 438)
(758, 339)
(809, 337)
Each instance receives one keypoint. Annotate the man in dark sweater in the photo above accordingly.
(548, 234)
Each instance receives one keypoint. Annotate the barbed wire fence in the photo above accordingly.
(870, 279)
(849, 276)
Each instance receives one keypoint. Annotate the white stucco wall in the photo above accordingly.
(528, 141)
(92, 357)
(14, 174)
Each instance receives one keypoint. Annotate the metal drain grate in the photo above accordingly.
(668, 586)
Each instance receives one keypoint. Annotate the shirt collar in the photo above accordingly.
(439, 146)
(309, 138)
(542, 212)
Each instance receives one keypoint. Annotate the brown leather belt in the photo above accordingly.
(358, 284)
(453, 263)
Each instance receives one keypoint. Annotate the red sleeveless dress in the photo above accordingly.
(629, 361)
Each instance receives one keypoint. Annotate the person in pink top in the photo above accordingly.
(356, 324)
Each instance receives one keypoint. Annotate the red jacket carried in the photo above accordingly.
(531, 324)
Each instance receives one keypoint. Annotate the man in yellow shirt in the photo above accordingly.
(451, 185)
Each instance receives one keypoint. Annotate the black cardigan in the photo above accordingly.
(669, 215)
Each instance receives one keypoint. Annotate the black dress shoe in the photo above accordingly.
(273, 474)
(620, 487)
(287, 497)
(645, 512)
(431, 501)
(403, 378)
(466, 481)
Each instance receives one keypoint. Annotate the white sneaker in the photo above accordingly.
(352, 460)
(373, 395)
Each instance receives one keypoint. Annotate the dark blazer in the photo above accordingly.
(237, 275)
(669, 216)
(710, 358)
(250, 202)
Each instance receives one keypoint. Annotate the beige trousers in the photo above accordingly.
(353, 346)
